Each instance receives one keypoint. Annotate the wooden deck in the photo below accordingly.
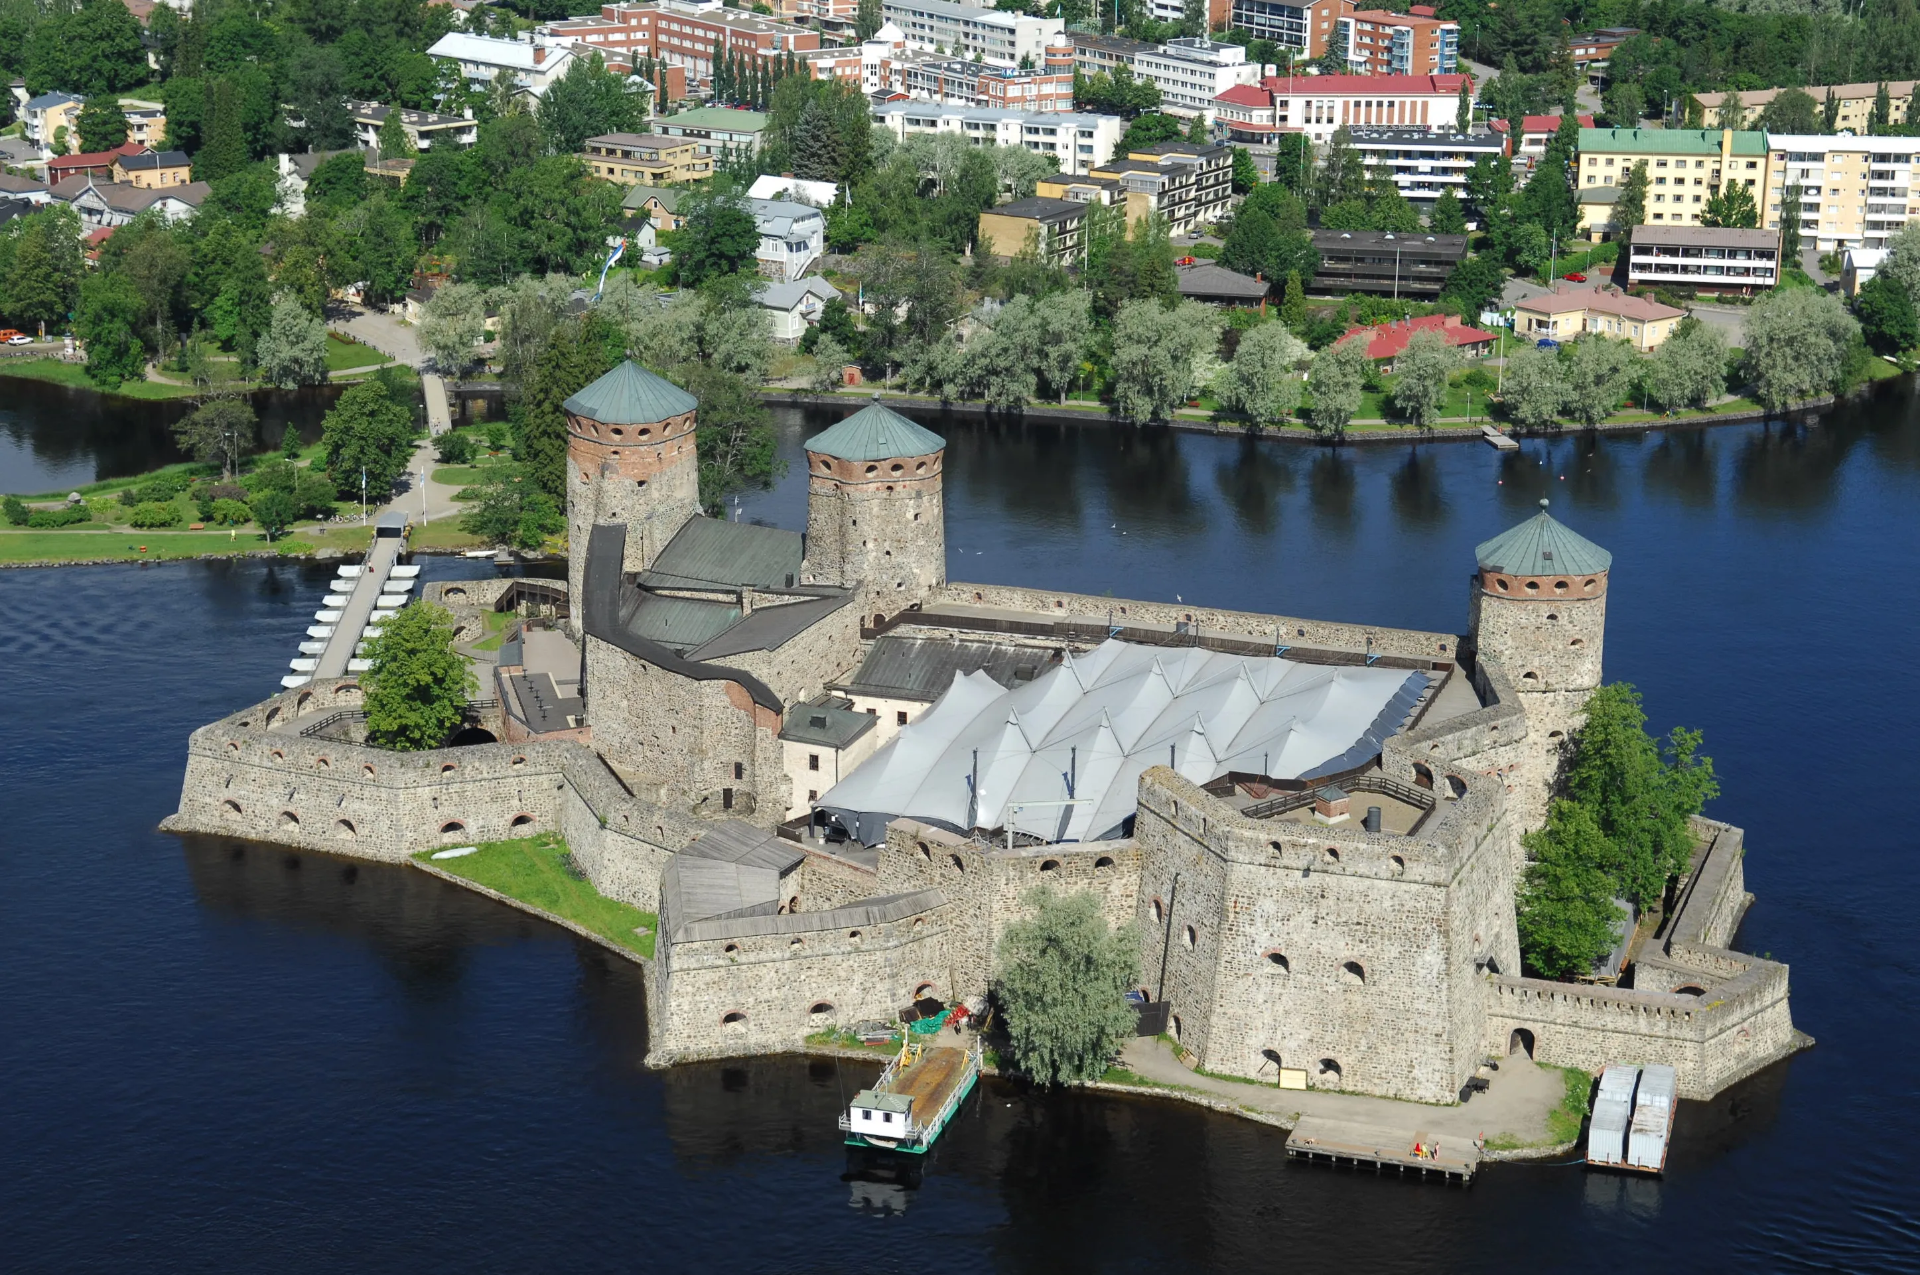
(931, 1080)
(1349, 1142)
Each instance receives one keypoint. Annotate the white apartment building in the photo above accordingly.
(1079, 142)
(1425, 163)
(1318, 104)
(1854, 191)
(1003, 39)
(482, 57)
(1190, 73)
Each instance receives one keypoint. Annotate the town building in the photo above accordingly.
(146, 122)
(1592, 50)
(1190, 184)
(104, 204)
(1307, 29)
(1856, 270)
(25, 189)
(660, 208)
(1218, 12)
(1000, 37)
(1388, 341)
(1704, 258)
(794, 306)
(1535, 132)
(153, 169)
(42, 118)
(1855, 102)
(91, 163)
(645, 159)
(717, 130)
(1413, 43)
(1684, 165)
(424, 129)
(1078, 142)
(1410, 265)
(1598, 204)
(1572, 311)
(792, 237)
(680, 33)
(891, 69)
(1854, 191)
(1216, 285)
(1191, 73)
(480, 58)
(836, 17)
(1316, 105)
(797, 189)
(1094, 53)
(1054, 228)
(1424, 163)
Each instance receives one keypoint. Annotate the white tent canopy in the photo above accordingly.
(1083, 731)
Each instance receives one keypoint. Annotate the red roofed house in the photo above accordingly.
(1535, 132)
(1389, 340)
(95, 163)
(1318, 104)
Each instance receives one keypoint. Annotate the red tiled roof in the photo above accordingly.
(93, 159)
(1339, 84)
(1388, 340)
(1246, 95)
(1540, 124)
(97, 237)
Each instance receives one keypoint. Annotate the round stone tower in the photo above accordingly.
(1538, 607)
(630, 460)
(876, 515)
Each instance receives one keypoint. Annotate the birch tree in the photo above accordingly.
(1263, 382)
(1336, 380)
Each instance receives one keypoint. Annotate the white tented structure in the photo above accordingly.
(1059, 757)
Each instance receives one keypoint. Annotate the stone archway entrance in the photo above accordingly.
(1520, 1042)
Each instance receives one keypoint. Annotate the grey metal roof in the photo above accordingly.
(771, 627)
(1707, 236)
(785, 296)
(155, 159)
(733, 841)
(638, 195)
(922, 668)
(682, 623)
(828, 725)
(631, 395)
(713, 551)
(1541, 546)
(1218, 281)
(877, 911)
(875, 432)
(1040, 208)
(870, 1100)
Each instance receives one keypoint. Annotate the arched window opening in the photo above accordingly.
(958, 866)
(1520, 1042)
(452, 830)
(1103, 863)
(1329, 1073)
(734, 1021)
(924, 989)
(229, 807)
(820, 1009)
(1422, 775)
(1191, 936)
(1159, 910)
(1397, 865)
(853, 936)
(289, 820)
(345, 830)
(1278, 963)
(731, 949)
(1690, 989)
(1353, 973)
(1050, 865)
(521, 821)
(1332, 854)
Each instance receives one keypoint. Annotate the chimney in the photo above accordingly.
(1331, 805)
(539, 54)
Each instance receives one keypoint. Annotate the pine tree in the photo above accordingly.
(1882, 117)
(1293, 306)
(1790, 222)
(1631, 208)
(1463, 110)
(867, 19)
(224, 150)
(720, 85)
(1830, 112)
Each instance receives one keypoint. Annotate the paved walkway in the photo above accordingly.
(352, 623)
(381, 331)
(1516, 1104)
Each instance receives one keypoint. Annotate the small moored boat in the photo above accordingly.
(914, 1098)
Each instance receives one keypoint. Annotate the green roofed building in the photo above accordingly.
(1542, 546)
(876, 516)
(875, 433)
(717, 129)
(1684, 166)
(630, 395)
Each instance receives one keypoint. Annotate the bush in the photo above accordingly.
(228, 513)
(154, 514)
(160, 487)
(67, 516)
(455, 448)
(16, 511)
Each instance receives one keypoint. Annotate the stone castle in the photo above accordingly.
(770, 748)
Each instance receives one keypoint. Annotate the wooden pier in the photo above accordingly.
(1334, 1141)
(1497, 440)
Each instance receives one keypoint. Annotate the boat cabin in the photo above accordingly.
(879, 1115)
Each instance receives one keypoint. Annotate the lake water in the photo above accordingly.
(235, 1057)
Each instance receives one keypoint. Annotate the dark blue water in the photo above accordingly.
(228, 1057)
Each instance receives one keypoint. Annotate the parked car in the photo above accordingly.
(7, 335)
(1574, 276)
(1546, 343)
(1184, 261)
(19, 338)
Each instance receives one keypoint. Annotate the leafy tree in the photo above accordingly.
(1155, 348)
(417, 683)
(575, 354)
(737, 447)
(1731, 205)
(103, 125)
(1902, 263)
(1631, 208)
(1732, 114)
(1420, 384)
(1640, 792)
(587, 101)
(1690, 367)
(1488, 181)
(512, 511)
(110, 312)
(1246, 174)
(1148, 130)
(1529, 248)
(93, 48)
(367, 433)
(1062, 988)
(1263, 382)
(1791, 204)
(837, 135)
(392, 141)
(42, 285)
(1565, 910)
(1336, 381)
(1886, 316)
(1790, 111)
(1447, 217)
(275, 511)
(1797, 342)
(1343, 171)
(318, 97)
(1625, 103)
(223, 429)
(1829, 112)
(867, 19)
(1534, 387)
(1062, 332)
(1293, 305)
(1547, 201)
(719, 237)
(1463, 107)
(830, 359)
(293, 350)
(455, 322)
(1598, 373)
(1474, 284)
(337, 184)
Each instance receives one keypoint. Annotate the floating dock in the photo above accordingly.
(1335, 1141)
(913, 1100)
(1632, 1118)
(355, 603)
(1497, 440)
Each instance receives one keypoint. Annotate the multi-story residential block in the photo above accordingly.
(1684, 166)
(1704, 258)
(646, 159)
(481, 58)
(1055, 228)
(1422, 163)
(999, 37)
(792, 237)
(837, 17)
(1316, 105)
(680, 33)
(1078, 142)
(1219, 12)
(423, 128)
(716, 130)
(1592, 50)
(146, 121)
(1855, 102)
(890, 68)
(1571, 311)
(1187, 184)
(1094, 53)
(42, 118)
(1415, 43)
(1415, 265)
(1190, 74)
(1855, 192)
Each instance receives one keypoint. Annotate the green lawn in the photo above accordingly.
(538, 870)
(442, 534)
(75, 374)
(78, 545)
(346, 356)
(497, 622)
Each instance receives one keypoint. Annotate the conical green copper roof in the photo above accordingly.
(631, 395)
(875, 433)
(1542, 547)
